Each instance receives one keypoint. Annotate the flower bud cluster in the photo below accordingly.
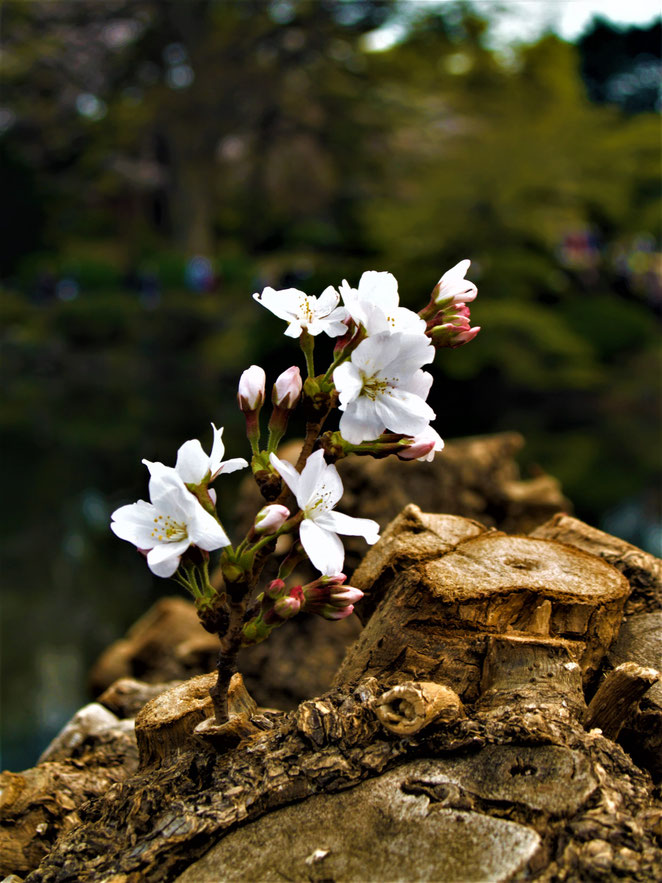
(329, 598)
(447, 315)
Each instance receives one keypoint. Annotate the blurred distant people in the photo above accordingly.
(67, 288)
(146, 283)
(199, 274)
(44, 287)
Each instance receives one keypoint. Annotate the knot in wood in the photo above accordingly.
(409, 707)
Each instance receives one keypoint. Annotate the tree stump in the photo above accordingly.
(452, 747)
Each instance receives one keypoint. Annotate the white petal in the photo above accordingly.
(170, 496)
(332, 487)
(459, 271)
(311, 478)
(419, 383)
(163, 560)
(406, 353)
(347, 381)
(361, 422)
(230, 466)
(286, 303)
(192, 463)
(349, 526)
(325, 550)
(404, 412)
(408, 321)
(287, 472)
(293, 330)
(135, 523)
(372, 354)
(380, 289)
(327, 302)
(218, 448)
(205, 531)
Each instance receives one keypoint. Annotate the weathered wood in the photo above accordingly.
(621, 689)
(516, 787)
(170, 723)
(435, 619)
(94, 751)
(531, 672)
(642, 570)
(640, 640)
(407, 708)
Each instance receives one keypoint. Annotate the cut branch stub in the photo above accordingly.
(437, 611)
(412, 537)
(617, 694)
(407, 708)
(166, 725)
(522, 671)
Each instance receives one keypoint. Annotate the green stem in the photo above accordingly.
(307, 343)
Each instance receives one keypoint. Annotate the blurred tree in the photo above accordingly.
(622, 66)
(177, 108)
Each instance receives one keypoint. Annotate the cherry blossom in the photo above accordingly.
(305, 312)
(318, 489)
(375, 305)
(383, 387)
(169, 524)
(453, 288)
(194, 466)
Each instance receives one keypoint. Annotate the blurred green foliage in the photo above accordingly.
(265, 137)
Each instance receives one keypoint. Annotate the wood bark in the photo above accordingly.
(504, 783)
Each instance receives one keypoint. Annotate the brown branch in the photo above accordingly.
(621, 689)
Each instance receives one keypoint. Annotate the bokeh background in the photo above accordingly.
(163, 160)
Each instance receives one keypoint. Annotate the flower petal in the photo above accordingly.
(230, 466)
(327, 302)
(286, 303)
(135, 523)
(379, 288)
(163, 560)
(205, 531)
(311, 479)
(349, 526)
(325, 549)
(217, 448)
(287, 472)
(192, 463)
(347, 380)
(404, 412)
(360, 421)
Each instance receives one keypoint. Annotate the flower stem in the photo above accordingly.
(307, 343)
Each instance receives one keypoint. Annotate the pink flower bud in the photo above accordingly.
(270, 518)
(250, 394)
(336, 613)
(275, 589)
(345, 597)
(287, 607)
(287, 389)
(453, 288)
(422, 446)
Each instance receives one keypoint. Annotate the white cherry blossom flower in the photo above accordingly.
(173, 521)
(305, 312)
(453, 288)
(318, 489)
(193, 465)
(383, 387)
(375, 305)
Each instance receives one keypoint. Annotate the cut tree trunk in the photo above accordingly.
(453, 746)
